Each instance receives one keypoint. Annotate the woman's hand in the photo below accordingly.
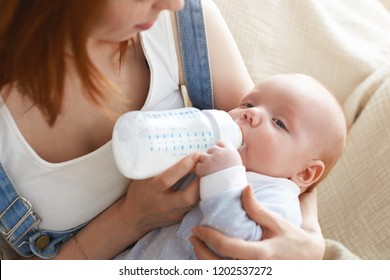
(153, 203)
(148, 204)
(281, 239)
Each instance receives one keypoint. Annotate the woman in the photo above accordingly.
(68, 69)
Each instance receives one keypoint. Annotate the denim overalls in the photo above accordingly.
(19, 224)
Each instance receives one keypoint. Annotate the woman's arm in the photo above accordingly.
(148, 204)
(281, 240)
(231, 80)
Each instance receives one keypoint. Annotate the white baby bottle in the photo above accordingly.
(145, 143)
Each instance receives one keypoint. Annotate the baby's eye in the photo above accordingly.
(279, 123)
(247, 104)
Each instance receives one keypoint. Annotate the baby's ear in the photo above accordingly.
(309, 175)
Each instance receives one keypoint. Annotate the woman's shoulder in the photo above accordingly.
(225, 59)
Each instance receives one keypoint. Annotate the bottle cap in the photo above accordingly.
(227, 128)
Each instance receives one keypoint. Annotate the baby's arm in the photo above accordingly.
(223, 177)
(221, 156)
(220, 203)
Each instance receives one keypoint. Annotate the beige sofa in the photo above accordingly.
(346, 45)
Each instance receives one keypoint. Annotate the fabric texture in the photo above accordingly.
(346, 45)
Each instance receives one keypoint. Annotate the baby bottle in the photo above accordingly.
(145, 143)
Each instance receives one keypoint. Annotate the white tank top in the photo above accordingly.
(70, 193)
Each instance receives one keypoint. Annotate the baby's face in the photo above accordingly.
(281, 121)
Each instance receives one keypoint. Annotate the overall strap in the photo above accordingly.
(194, 53)
(19, 224)
(18, 221)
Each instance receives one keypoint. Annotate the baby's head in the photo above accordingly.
(292, 128)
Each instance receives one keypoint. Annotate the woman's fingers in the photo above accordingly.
(155, 199)
(186, 197)
(174, 173)
(236, 248)
(202, 252)
(226, 247)
(280, 240)
(189, 197)
(262, 216)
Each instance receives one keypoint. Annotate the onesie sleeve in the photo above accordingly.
(221, 206)
(221, 181)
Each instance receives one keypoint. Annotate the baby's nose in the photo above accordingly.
(253, 116)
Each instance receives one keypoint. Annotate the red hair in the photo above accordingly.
(33, 37)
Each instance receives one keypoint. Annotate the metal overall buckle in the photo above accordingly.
(8, 234)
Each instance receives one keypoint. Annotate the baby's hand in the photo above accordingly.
(222, 155)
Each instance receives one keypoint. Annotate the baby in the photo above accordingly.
(293, 133)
